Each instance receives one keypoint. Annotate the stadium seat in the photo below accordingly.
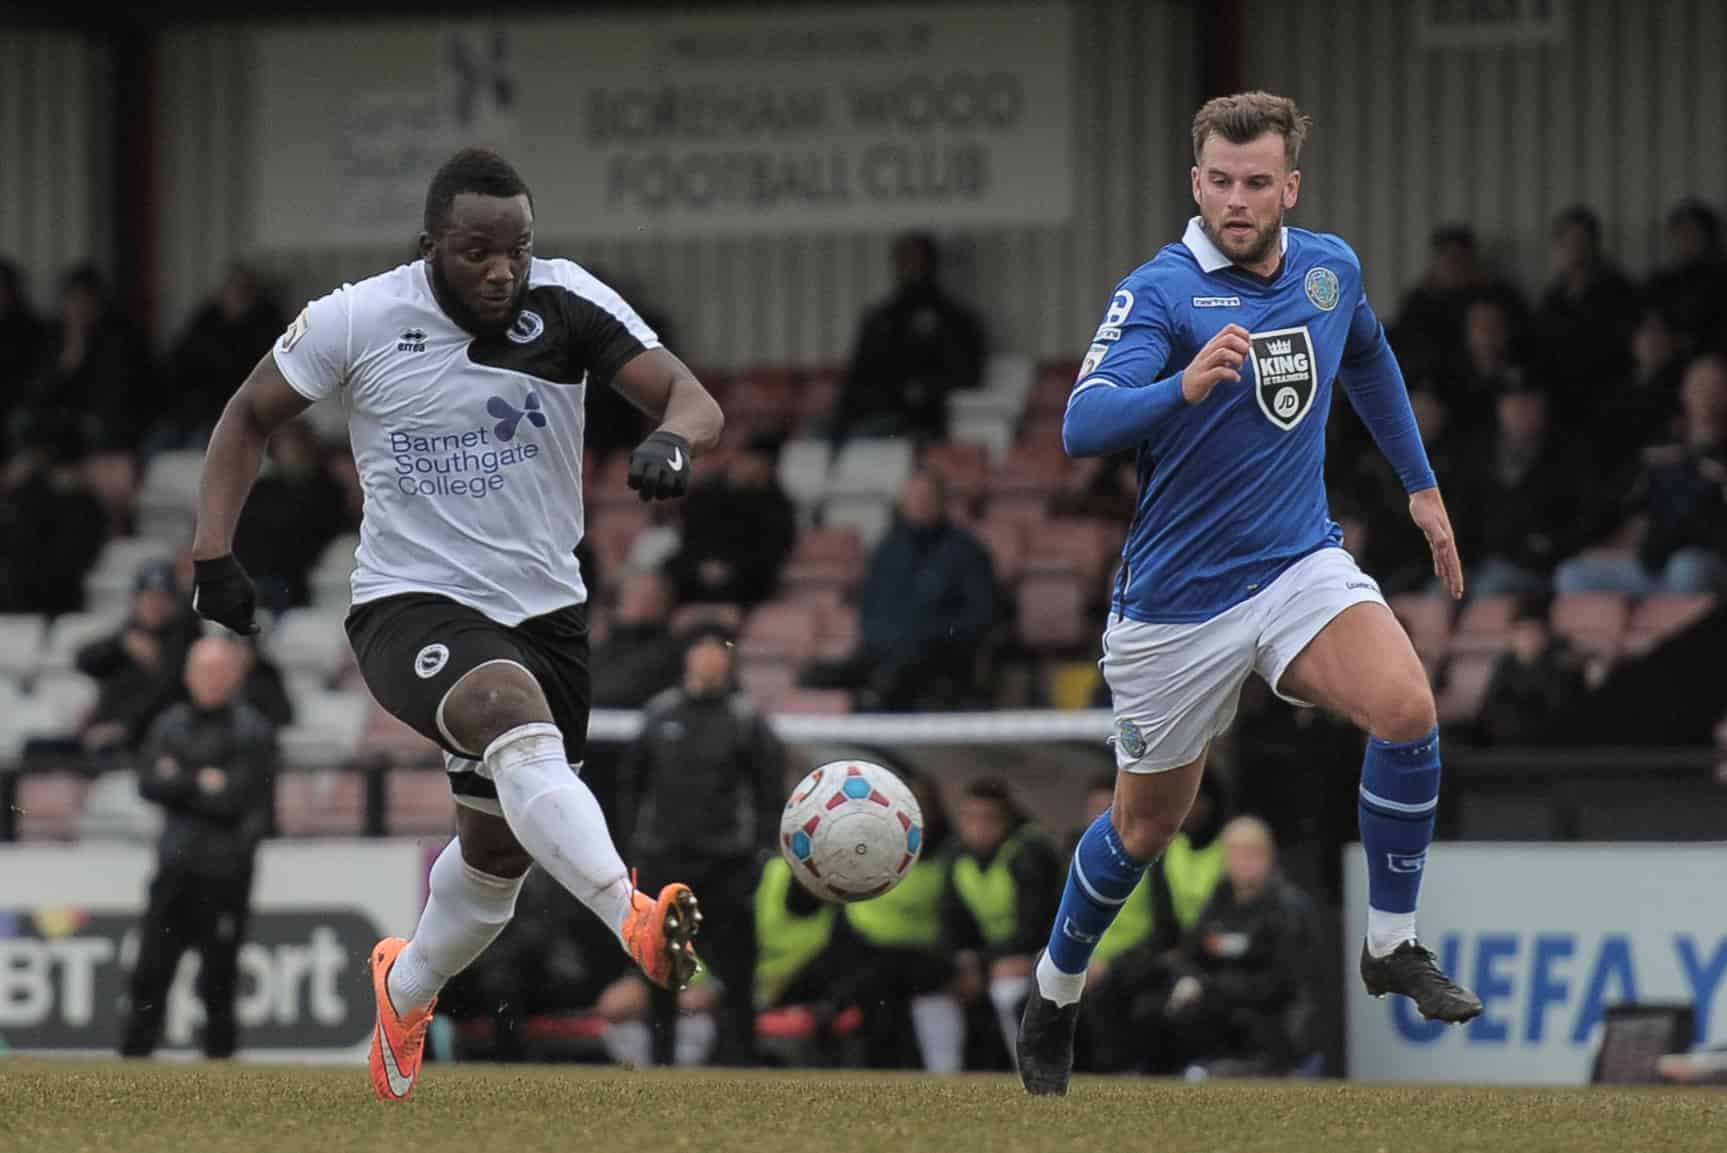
(803, 469)
(1594, 622)
(991, 428)
(108, 584)
(1069, 545)
(813, 702)
(786, 629)
(1466, 680)
(1658, 617)
(307, 641)
(1043, 428)
(1012, 375)
(817, 396)
(766, 678)
(1005, 540)
(65, 698)
(963, 467)
(612, 535)
(330, 579)
(687, 617)
(654, 546)
(1052, 611)
(168, 498)
(417, 802)
(823, 598)
(113, 811)
(328, 803)
(387, 736)
(21, 639)
(1054, 384)
(327, 729)
(871, 466)
(49, 805)
(1028, 508)
(869, 516)
(1482, 625)
(838, 632)
(16, 719)
(1034, 467)
(71, 632)
(1427, 619)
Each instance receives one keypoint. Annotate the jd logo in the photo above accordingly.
(1284, 372)
(509, 416)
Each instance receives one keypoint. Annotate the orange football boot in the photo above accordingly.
(658, 933)
(398, 1042)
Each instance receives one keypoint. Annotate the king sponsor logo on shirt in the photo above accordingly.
(474, 463)
(1284, 376)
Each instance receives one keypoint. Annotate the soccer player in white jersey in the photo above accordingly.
(463, 376)
(1215, 363)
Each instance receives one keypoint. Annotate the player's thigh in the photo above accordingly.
(1335, 643)
(555, 649)
(414, 649)
(1174, 687)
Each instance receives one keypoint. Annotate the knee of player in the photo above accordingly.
(1145, 835)
(490, 701)
(1406, 715)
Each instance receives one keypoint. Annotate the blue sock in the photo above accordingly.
(1099, 882)
(1399, 797)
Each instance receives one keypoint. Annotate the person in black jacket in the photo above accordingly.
(701, 794)
(737, 531)
(138, 670)
(209, 763)
(1244, 1003)
(1534, 685)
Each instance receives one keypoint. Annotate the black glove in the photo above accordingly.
(222, 592)
(660, 466)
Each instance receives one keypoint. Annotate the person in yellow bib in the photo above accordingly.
(1003, 887)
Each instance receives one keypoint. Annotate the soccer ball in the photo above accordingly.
(850, 831)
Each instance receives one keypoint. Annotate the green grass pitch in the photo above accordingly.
(62, 1106)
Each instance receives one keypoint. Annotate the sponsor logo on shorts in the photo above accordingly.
(1284, 372)
(1406, 862)
(527, 327)
(1129, 739)
(430, 661)
(1321, 285)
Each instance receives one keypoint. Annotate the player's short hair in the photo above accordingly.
(477, 170)
(1249, 115)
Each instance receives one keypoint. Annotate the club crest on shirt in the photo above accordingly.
(1321, 285)
(1284, 380)
(1129, 739)
(527, 327)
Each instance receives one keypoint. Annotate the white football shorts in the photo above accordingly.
(1176, 686)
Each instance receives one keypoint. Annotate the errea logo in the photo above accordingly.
(412, 340)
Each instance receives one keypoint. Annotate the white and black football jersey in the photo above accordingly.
(469, 449)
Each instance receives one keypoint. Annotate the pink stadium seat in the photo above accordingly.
(828, 545)
(417, 801)
(1031, 466)
(611, 533)
(1427, 620)
(1658, 617)
(687, 617)
(818, 394)
(834, 702)
(1052, 611)
(1594, 622)
(824, 557)
(1465, 685)
(1005, 540)
(787, 629)
(1078, 546)
(839, 632)
(393, 738)
(1054, 383)
(319, 804)
(49, 805)
(964, 466)
(766, 678)
(1482, 626)
(824, 599)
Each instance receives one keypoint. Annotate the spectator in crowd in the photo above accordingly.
(701, 795)
(1429, 332)
(213, 355)
(552, 958)
(208, 762)
(21, 340)
(738, 531)
(639, 657)
(296, 509)
(1693, 282)
(138, 670)
(1522, 501)
(926, 606)
(1004, 883)
(1683, 494)
(1534, 683)
(1245, 1000)
(1368, 499)
(1131, 974)
(1584, 322)
(1108, 490)
(97, 371)
(1644, 410)
(1490, 368)
(52, 527)
(912, 351)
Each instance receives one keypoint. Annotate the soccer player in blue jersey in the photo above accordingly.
(1215, 363)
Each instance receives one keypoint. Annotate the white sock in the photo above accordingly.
(696, 1033)
(630, 1043)
(1386, 931)
(1008, 995)
(554, 815)
(465, 911)
(1062, 988)
(939, 1023)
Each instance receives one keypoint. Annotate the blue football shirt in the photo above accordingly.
(1232, 489)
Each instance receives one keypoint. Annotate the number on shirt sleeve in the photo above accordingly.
(313, 353)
